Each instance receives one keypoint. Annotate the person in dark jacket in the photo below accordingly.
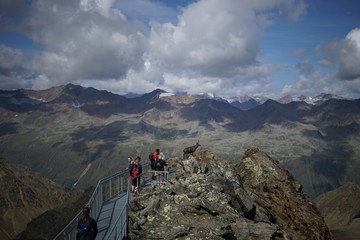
(135, 171)
(87, 227)
(160, 168)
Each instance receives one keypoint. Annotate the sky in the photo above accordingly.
(231, 48)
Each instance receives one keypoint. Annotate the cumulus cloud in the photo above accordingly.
(97, 43)
(12, 73)
(309, 84)
(10, 59)
(215, 38)
(344, 54)
(83, 40)
(210, 45)
(217, 41)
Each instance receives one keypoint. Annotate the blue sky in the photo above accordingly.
(230, 47)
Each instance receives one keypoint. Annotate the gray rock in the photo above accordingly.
(214, 199)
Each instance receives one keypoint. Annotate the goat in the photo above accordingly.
(192, 149)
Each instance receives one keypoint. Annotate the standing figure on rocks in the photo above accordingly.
(191, 150)
(160, 168)
(87, 227)
(135, 171)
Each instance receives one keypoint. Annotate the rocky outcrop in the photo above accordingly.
(210, 198)
(24, 195)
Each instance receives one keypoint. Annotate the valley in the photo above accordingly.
(77, 144)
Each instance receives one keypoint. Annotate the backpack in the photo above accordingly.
(158, 163)
(135, 172)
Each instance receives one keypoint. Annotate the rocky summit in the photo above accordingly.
(211, 198)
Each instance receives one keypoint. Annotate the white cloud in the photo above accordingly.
(41, 81)
(10, 59)
(13, 82)
(100, 6)
(89, 45)
(309, 84)
(212, 37)
(344, 54)
(218, 41)
(11, 69)
(213, 46)
(191, 84)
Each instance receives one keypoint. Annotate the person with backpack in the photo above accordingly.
(160, 168)
(86, 227)
(153, 156)
(135, 171)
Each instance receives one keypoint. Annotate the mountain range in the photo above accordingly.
(247, 102)
(75, 135)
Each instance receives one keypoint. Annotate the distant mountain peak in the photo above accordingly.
(318, 99)
(152, 95)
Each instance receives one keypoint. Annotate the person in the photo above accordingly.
(87, 227)
(160, 167)
(163, 156)
(131, 162)
(155, 156)
(135, 171)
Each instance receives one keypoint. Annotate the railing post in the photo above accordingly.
(118, 185)
(122, 184)
(109, 189)
(101, 193)
(98, 206)
(95, 205)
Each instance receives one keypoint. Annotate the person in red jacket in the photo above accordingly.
(155, 156)
(135, 171)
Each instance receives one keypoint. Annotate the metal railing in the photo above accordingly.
(107, 189)
(118, 230)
